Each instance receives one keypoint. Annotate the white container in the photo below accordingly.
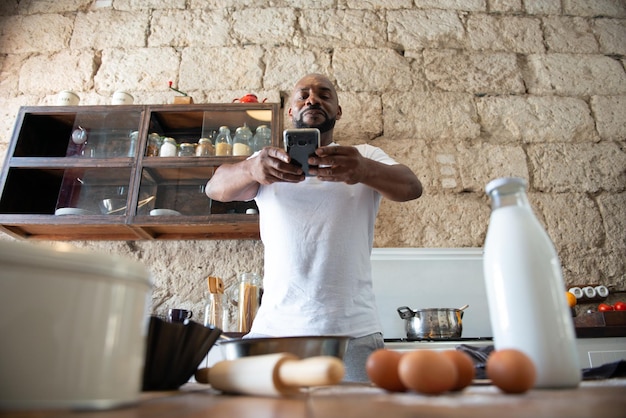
(122, 98)
(525, 288)
(67, 98)
(73, 327)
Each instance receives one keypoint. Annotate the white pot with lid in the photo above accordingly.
(73, 327)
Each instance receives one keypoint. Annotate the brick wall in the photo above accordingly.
(461, 91)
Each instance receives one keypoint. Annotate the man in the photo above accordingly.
(318, 230)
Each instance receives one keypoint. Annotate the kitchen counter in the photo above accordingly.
(604, 398)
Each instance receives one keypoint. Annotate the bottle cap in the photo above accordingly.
(506, 185)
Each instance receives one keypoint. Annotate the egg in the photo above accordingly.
(511, 370)
(464, 368)
(382, 369)
(427, 371)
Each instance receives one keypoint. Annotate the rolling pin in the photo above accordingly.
(272, 374)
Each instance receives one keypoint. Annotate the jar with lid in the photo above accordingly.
(204, 148)
(262, 138)
(241, 142)
(223, 142)
(169, 148)
(187, 149)
(249, 299)
(154, 144)
(524, 282)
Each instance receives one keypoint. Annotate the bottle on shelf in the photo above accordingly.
(262, 138)
(169, 148)
(525, 287)
(241, 141)
(223, 142)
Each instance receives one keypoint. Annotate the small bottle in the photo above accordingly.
(223, 142)
(154, 144)
(524, 283)
(187, 149)
(169, 148)
(262, 138)
(241, 142)
(204, 148)
(249, 299)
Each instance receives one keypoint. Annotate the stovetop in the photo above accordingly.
(430, 340)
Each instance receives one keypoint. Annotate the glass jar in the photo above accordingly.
(187, 149)
(223, 142)
(169, 148)
(262, 138)
(154, 144)
(241, 142)
(204, 148)
(249, 299)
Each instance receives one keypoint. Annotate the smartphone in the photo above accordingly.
(300, 144)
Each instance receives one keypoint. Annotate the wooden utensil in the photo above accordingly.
(272, 374)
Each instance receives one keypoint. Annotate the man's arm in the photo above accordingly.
(241, 181)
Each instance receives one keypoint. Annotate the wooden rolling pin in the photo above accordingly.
(272, 374)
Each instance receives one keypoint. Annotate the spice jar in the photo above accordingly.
(169, 148)
(223, 142)
(187, 150)
(241, 142)
(154, 143)
(262, 138)
(204, 148)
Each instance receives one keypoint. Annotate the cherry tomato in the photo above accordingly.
(603, 307)
(619, 306)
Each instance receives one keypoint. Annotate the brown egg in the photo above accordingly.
(464, 368)
(382, 369)
(511, 370)
(427, 371)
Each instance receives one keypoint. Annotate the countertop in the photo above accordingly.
(603, 398)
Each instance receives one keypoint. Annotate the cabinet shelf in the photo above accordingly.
(81, 173)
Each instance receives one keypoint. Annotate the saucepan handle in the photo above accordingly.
(405, 312)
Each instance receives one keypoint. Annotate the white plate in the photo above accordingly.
(164, 212)
(72, 211)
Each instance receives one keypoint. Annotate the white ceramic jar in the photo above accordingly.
(73, 327)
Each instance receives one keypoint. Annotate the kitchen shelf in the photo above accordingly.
(55, 188)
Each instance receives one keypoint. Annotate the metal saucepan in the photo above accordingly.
(432, 323)
(303, 346)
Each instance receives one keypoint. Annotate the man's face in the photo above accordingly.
(314, 104)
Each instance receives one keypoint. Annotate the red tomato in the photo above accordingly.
(603, 307)
(619, 306)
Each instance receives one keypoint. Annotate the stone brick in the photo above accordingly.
(436, 116)
(149, 4)
(94, 30)
(221, 68)
(52, 6)
(480, 164)
(270, 26)
(505, 33)
(572, 220)
(8, 7)
(543, 7)
(417, 29)
(578, 168)
(535, 119)
(610, 115)
(479, 73)
(283, 66)
(613, 211)
(362, 118)
(76, 74)
(505, 6)
(362, 69)
(341, 28)
(611, 34)
(610, 8)
(379, 4)
(569, 34)
(138, 69)
(458, 220)
(574, 75)
(180, 28)
(23, 34)
(465, 5)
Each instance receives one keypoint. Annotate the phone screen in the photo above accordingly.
(301, 144)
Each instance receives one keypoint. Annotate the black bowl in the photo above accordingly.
(174, 350)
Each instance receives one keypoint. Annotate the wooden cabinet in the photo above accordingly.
(84, 173)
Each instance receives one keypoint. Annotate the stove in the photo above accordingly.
(408, 344)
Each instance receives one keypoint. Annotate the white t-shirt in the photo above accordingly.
(318, 238)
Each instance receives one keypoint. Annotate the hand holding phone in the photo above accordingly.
(300, 144)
